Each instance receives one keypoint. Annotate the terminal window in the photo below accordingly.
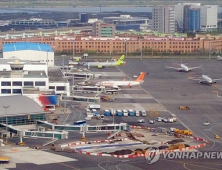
(60, 88)
(16, 91)
(28, 83)
(17, 83)
(39, 83)
(6, 91)
(52, 87)
(6, 83)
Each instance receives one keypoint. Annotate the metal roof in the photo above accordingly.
(19, 105)
(26, 46)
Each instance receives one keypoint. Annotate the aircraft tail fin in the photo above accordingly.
(121, 59)
(141, 77)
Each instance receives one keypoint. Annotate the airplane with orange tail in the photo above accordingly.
(117, 84)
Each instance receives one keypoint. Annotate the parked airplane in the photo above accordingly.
(117, 84)
(207, 80)
(219, 57)
(120, 61)
(183, 67)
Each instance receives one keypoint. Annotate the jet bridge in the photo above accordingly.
(86, 128)
(36, 134)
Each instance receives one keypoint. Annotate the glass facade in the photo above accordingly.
(194, 20)
(39, 83)
(16, 91)
(22, 120)
(5, 83)
(6, 91)
(16, 83)
(28, 83)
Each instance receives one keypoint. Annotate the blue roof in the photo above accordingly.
(26, 46)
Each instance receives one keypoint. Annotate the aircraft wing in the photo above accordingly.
(174, 68)
(217, 79)
(198, 79)
(191, 68)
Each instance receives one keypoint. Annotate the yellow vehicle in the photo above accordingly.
(184, 108)
(4, 160)
(217, 136)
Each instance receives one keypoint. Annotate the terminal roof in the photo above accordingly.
(26, 46)
(19, 105)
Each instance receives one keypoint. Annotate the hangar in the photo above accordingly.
(29, 51)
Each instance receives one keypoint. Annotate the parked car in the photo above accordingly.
(141, 121)
(165, 120)
(137, 113)
(131, 112)
(143, 113)
(119, 113)
(170, 120)
(151, 121)
(159, 119)
(107, 112)
(125, 112)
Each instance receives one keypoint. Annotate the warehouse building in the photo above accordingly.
(29, 51)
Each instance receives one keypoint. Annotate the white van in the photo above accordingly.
(143, 113)
(137, 113)
(94, 106)
(125, 112)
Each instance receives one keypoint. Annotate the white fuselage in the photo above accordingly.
(95, 64)
(118, 83)
(184, 67)
(207, 79)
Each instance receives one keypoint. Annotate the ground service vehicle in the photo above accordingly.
(94, 106)
(143, 113)
(4, 160)
(111, 91)
(159, 119)
(170, 120)
(131, 112)
(94, 112)
(174, 117)
(206, 123)
(141, 121)
(184, 108)
(217, 137)
(151, 121)
(107, 113)
(183, 132)
(137, 113)
(119, 113)
(106, 99)
(80, 123)
(125, 112)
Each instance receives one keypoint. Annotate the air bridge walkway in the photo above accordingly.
(61, 131)
(37, 134)
(86, 128)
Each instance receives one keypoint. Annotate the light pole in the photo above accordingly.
(73, 48)
(125, 47)
(141, 57)
(6, 117)
(210, 50)
(63, 62)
